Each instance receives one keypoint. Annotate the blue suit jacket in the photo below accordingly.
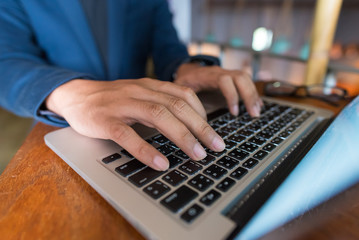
(44, 44)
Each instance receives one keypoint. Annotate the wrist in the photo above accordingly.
(190, 65)
(185, 68)
(67, 94)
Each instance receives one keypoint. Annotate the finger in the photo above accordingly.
(229, 90)
(158, 116)
(182, 92)
(191, 119)
(127, 138)
(249, 94)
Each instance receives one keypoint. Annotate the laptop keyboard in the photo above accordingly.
(190, 187)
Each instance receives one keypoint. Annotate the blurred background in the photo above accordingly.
(271, 35)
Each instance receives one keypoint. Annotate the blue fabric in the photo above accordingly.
(44, 44)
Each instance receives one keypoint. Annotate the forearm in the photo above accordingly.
(26, 84)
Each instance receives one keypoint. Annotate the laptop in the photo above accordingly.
(209, 199)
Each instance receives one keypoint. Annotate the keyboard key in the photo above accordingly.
(260, 154)
(238, 154)
(216, 154)
(174, 161)
(229, 144)
(254, 127)
(111, 158)
(160, 139)
(236, 138)
(250, 163)
(225, 184)
(246, 132)
(192, 213)
(239, 173)
(214, 126)
(227, 162)
(257, 140)
(229, 129)
(290, 129)
(229, 117)
(210, 197)
(246, 118)
(222, 133)
(182, 155)
(276, 125)
(265, 134)
(284, 134)
(296, 124)
(171, 144)
(272, 129)
(277, 140)
(156, 189)
(179, 198)
(207, 160)
(165, 150)
(144, 176)
(200, 182)
(262, 122)
(269, 147)
(220, 122)
(236, 124)
(130, 167)
(282, 109)
(249, 147)
(124, 152)
(175, 177)
(190, 167)
(215, 171)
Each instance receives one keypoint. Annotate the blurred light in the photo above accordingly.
(262, 39)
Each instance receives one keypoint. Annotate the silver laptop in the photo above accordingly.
(209, 199)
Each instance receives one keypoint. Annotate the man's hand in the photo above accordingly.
(106, 109)
(232, 83)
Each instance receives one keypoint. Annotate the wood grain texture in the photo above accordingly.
(43, 198)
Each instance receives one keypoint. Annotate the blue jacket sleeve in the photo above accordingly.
(26, 78)
(168, 52)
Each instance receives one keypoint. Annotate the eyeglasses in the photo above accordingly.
(330, 95)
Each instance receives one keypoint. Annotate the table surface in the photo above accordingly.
(43, 198)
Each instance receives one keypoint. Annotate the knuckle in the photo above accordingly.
(131, 88)
(177, 104)
(186, 135)
(205, 129)
(157, 111)
(143, 149)
(119, 133)
(225, 78)
(188, 93)
(146, 79)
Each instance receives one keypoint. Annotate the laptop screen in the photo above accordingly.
(329, 167)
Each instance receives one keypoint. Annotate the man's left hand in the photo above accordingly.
(232, 83)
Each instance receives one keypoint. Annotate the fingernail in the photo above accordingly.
(218, 144)
(199, 151)
(235, 109)
(256, 110)
(160, 163)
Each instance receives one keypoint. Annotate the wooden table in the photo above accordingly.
(41, 197)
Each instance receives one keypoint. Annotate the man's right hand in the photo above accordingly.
(105, 110)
